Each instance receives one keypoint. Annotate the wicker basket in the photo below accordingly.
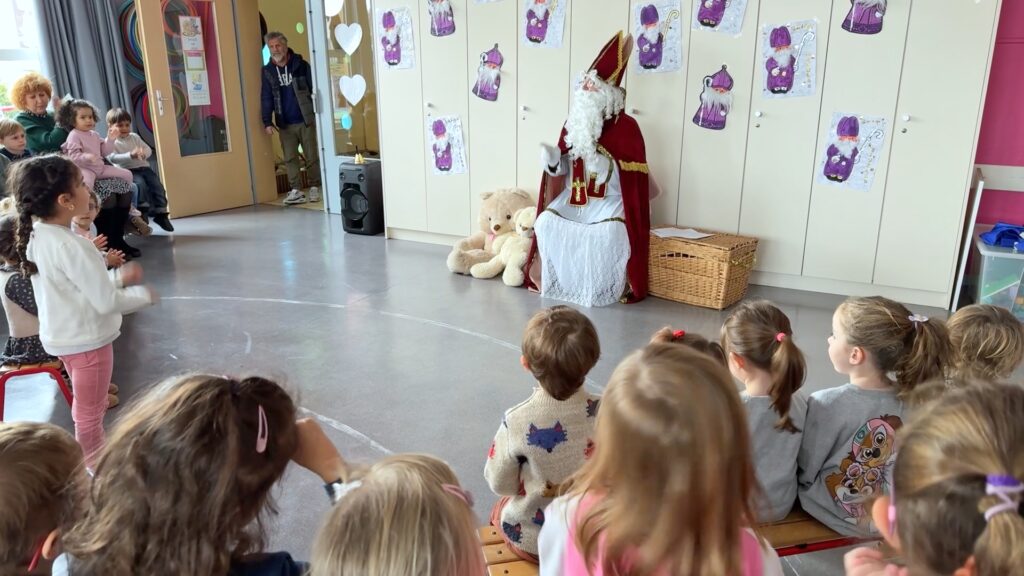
(712, 272)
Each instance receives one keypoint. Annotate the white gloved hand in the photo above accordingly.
(549, 156)
(599, 167)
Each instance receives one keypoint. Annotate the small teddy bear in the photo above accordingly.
(512, 251)
(495, 223)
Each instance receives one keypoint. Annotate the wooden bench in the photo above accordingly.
(501, 560)
(800, 533)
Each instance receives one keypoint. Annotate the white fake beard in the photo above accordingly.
(487, 75)
(391, 35)
(651, 34)
(783, 57)
(441, 7)
(715, 100)
(540, 10)
(876, 4)
(442, 142)
(846, 147)
(587, 116)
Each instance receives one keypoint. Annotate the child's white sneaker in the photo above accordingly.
(314, 194)
(295, 197)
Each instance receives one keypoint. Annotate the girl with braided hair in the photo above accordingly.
(79, 303)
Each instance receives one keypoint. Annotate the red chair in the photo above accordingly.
(53, 369)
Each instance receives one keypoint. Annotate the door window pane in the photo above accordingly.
(197, 99)
(353, 85)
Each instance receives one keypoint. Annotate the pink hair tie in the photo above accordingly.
(780, 336)
(459, 493)
(262, 431)
(678, 335)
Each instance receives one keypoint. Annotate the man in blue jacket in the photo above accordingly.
(287, 108)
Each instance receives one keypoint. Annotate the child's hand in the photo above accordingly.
(316, 452)
(131, 274)
(154, 296)
(115, 258)
(100, 241)
(88, 157)
(869, 561)
(139, 154)
(663, 336)
(113, 133)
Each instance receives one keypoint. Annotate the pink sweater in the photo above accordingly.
(80, 143)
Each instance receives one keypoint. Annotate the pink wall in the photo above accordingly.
(1002, 127)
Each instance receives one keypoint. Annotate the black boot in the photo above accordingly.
(163, 220)
(116, 239)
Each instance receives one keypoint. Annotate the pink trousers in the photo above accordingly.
(90, 377)
(105, 171)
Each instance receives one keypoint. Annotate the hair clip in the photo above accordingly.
(1002, 486)
(459, 492)
(780, 336)
(262, 431)
(916, 318)
(337, 490)
(678, 335)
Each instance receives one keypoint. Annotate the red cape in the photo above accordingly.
(622, 138)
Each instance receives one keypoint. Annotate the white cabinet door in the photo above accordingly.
(861, 78)
(401, 128)
(782, 135)
(492, 123)
(593, 25)
(658, 103)
(543, 88)
(445, 92)
(711, 171)
(940, 98)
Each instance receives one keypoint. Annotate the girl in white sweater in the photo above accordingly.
(80, 305)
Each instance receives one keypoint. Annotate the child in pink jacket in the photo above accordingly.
(84, 146)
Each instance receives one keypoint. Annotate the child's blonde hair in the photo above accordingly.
(9, 127)
(671, 473)
(561, 346)
(988, 342)
(183, 484)
(691, 340)
(948, 450)
(761, 333)
(40, 482)
(408, 515)
(914, 348)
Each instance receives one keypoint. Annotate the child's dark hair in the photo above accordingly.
(35, 184)
(183, 484)
(762, 335)
(561, 346)
(8, 239)
(117, 115)
(68, 113)
(914, 348)
(691, 340)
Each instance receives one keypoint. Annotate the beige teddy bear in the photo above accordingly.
(512, 250)
(495, 222)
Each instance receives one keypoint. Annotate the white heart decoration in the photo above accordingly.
(348, 36)
(333, 7)
(353, 88)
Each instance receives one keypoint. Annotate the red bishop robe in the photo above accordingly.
(622, 139)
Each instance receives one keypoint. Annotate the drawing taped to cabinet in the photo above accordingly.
(442, 20)
(715, 101)
(790, 59)
(543, 22)
(724, 16)
(394, 28)
(659, 36)
(855, 144)
(445, 145)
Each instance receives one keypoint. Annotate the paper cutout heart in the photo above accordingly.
(333, 7)
(348, 36)
(353, 88)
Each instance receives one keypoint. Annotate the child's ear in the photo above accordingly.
(857, 356)
(737, 360)
(524, 363)
(51, 546)
(970, 568)
(880, 515)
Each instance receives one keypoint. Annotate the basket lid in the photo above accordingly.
(721, 240)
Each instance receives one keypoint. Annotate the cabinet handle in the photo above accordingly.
(758, 113)
(428, 105)
(634, 111)
(905, 117)
(523, 108)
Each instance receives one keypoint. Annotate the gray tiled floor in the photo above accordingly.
(378, 340)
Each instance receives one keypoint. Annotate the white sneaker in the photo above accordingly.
(295, 197)
(314, 194)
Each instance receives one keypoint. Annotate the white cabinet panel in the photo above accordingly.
(492, 124)
(593, 24)
(933, 142)
(445, 92)
(711, 171)
(862, 78)
(780, 147)
(401, 128)
(658, 103)
(543, 104)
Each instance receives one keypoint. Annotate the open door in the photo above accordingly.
(191, 63)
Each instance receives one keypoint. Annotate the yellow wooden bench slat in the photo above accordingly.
(796, 529)
(490, 535)
(56, 365)
(517, 568)
(498, 553)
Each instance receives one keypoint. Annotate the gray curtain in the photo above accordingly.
(82, 44)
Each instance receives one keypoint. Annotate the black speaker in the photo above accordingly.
(362, 198)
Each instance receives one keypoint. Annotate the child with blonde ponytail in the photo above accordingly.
(850, 433)
(758, 340)
(669, 488)
(958, 498)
